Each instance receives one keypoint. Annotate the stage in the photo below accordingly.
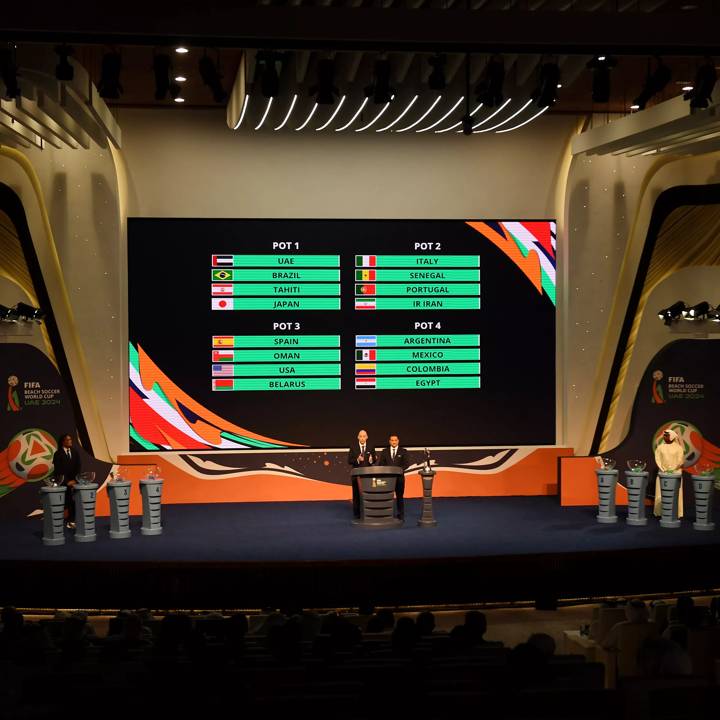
(259, 554)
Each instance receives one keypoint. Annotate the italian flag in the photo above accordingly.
(364, 304)
(219, 260)
(220, 341)
(223, 355)
(365, 354)
(222, 384)
(222, 289)
(364, 382)
(365, 275)
(365, 289)
(365, 260)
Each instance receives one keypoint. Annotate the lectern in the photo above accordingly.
(377, 494)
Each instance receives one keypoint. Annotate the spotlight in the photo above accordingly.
(161, 70)
(180, 78)
(179, 99)
(8, 314)
(655, 82)
(109, 86)
(212, 77)
(701, 93)
(379, 89)
(9, 72)
(490, 88)
(64, 71)
(670, 314)
(601, 65)
(28, 312)
(324, 90)
(181, 50)
(545, 94)
(436, 81)
(697, 312)
(269, 65)
(714, 315)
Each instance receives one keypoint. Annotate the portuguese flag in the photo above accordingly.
(365, 289)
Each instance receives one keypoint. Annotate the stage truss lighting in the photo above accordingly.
(655, 81)
(325, 90)
(64, 71)
(28, 312)
(671, 314)
(9, 315)
(697, 312)
(212, 77)
(601, 66)
(9, 72)
(110, 86)
(545, 95)
(436, 80)
(489, 90)
(700, 95)
(379, 89)
(269, 66)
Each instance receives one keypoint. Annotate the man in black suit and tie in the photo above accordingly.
(361, 454)
(393, 454)
(66, 465)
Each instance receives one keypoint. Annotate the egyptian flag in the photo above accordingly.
(365, 383)
(365, 260)
(365, 355)
(222, 288)
(223, 355)
(220, 260)
(365, 289)
(365, 275)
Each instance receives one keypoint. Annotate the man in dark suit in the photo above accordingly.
(393, 454)
(66, 465)
(361, 454)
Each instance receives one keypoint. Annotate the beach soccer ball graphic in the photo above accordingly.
(691, 440)
(30, 454)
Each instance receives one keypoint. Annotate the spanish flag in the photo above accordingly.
(221, 341)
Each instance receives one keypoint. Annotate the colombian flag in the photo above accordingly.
(365, 289)
(365, 260)
(221, 341)
(365, 368)
(365, 275)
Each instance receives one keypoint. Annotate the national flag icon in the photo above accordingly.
(365, 354)
(222, 384)
(221, 275)
(365, 383)
(365, 368)
(365, 289)
(222, 289)
(222, 355)
(365, 260)
(222, 260)
(364, 304)
(219, 341)
(222, 370)
(222, 304)
(365, 275)
(366, 341)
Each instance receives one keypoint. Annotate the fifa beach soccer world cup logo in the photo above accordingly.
(658, 393)
(13, 399)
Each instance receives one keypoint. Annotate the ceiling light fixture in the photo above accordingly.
(267, 71)
(212, 77)
(545, 94)
(601, 65)
(459, 123)
(701, 94)
(324, 90)
(379, 88)
(490, 89)
(110, 86)
(436, 80)
(181, 50)
(656, 80)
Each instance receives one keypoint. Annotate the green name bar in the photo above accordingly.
(419, 261)
(430, 275)
(423, 354)
(281, 289)
(418, 289)
(421, 341)
(276, 303)
(427, 368)
(279, 261)
(279, 341)
(429, 303)
(282, 354)
(273, 370)
(422, 383)
(324, 383)
(289, 274)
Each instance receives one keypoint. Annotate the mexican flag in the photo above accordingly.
(365, 354)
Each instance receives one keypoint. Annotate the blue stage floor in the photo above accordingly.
(321, 532)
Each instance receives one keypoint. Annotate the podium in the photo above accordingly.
(151, 492)
(119, 496)
(427, 519)
(703, 485)
(607, 484)
(53, 505)
(669, 498)
(377, 495)
(636, 482)
(84, 495)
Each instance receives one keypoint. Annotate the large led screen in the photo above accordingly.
(247, 334)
